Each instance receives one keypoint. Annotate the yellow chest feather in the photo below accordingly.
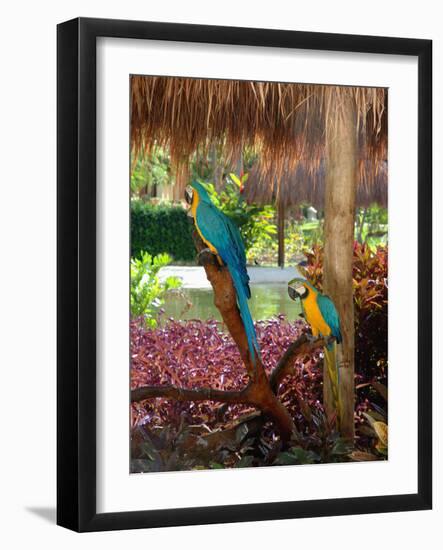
(314, 316)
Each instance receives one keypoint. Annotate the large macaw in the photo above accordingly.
(320, 312)
(223, 239)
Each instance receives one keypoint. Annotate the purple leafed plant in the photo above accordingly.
(167, 434)
(196, 354)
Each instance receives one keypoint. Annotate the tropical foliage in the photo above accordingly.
(371, 225)
(298, 235)
(150, 172)
(147, 290)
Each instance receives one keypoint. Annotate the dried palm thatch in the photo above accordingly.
(283, 123)
(303, 185)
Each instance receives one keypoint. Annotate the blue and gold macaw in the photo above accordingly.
(223, 239)
(319, 311)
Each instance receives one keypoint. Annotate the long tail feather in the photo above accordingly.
(242, 299)
(330, 352)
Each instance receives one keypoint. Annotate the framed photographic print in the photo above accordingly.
(244, 274)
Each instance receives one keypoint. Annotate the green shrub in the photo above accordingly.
(147, 291)
(161, 228)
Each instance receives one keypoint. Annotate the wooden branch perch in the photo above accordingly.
(302, 346)
(225, 299)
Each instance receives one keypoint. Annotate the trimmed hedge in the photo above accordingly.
(161, 228)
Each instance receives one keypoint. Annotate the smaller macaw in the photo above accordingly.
(223, 239)
(320, 312)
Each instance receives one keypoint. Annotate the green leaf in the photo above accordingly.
(147, 291)
(382, 389)
(235, 179)
(241, 432)
(297, 455)
(341, 447)
(245, 461)
(381, 429)
(286, 459)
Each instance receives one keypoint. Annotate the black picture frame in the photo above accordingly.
(76, 280)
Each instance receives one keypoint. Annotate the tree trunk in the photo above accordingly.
(341, 172)
(281, 234)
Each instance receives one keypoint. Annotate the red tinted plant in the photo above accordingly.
(371, 310)
(196, 354)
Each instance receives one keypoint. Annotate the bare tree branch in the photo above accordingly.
(302, 346)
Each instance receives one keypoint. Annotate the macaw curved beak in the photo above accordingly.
(189, 194)
(292, 293)
(297, 290)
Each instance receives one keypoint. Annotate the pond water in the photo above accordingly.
(266, 301)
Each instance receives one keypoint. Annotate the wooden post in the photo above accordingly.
(281, 234)
(341, 173)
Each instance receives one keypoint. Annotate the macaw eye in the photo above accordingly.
(300, 290)
(189, 193)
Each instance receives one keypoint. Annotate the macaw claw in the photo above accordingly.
(205, 256)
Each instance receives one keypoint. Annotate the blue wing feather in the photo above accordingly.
(225, 237)
(330, 315)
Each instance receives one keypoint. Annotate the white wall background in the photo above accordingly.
(27, 275)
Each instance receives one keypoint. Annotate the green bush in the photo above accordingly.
(147, 291)
(161, 228)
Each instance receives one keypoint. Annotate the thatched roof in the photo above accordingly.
(307, 186)
(284, 123)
